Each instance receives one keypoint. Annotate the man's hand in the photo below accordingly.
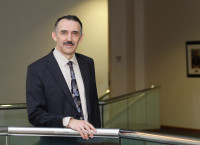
(83, 127)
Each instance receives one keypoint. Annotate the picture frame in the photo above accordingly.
(193, 58)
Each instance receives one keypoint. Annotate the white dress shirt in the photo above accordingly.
(64, 67)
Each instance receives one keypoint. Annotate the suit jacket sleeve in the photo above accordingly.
(94, 117)
(37, 114)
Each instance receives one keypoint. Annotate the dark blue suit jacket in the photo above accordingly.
(49, 98)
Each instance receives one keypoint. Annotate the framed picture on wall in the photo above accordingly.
(193, 58)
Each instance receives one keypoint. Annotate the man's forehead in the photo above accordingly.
(72, 25)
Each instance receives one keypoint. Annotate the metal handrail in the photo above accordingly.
(38, 131)
(106, 93)
(125, 96)
(3, 131)
(110, 133)
(159, 138)
(13, 106)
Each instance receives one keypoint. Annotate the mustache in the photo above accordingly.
(68, 42)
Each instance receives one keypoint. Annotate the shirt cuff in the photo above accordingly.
(66, 121)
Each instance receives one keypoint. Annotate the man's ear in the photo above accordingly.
(53, 34)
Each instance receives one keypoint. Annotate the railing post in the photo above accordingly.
(7, 140)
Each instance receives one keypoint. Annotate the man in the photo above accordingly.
(51, 101)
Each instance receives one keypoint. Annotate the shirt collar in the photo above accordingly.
(63, 60)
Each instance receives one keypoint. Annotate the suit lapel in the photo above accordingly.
(85, 76)
(57, 74)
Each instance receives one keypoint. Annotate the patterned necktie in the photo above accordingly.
(74, 90)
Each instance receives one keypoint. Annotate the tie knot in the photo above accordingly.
(70, 63)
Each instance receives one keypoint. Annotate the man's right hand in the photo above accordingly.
(84, 128)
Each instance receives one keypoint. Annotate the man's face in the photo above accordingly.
(67, 37)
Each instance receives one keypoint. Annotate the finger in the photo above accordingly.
(81, 133)
(88, 129)
(84, 131)
(91, 127)
(85, 134)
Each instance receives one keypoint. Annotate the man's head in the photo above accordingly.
(67, 34)
(68, 17)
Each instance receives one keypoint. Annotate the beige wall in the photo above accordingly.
(26, 36)
(152, 36)
(169, 24)
(126, 42)
(117, 47)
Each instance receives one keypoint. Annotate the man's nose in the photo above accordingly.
(69, 37)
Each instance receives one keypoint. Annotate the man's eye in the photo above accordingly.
(63, 32)
(75, 33)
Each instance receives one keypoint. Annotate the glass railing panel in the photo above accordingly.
(101, 113)
(153, 143)
(36, 140)
(14, 117)
(134, 111)
(127, 141)
(2, 140)
(115, 115)
(24, 140)
(152, 109)
(42, 140)
(137, 112)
